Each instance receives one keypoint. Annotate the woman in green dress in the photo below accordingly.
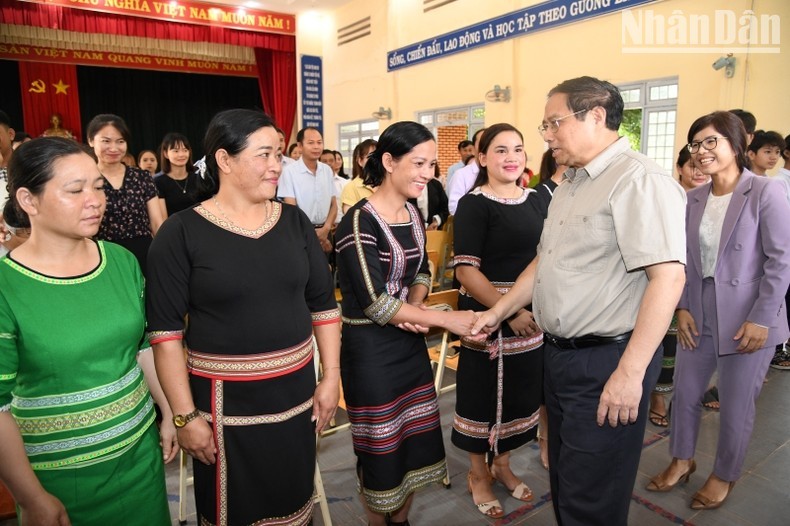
(78, 442)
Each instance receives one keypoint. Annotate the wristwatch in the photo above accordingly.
(181, 420)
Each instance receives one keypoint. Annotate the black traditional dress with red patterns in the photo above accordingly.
(500, 382)
(253, 300)
(387, 378)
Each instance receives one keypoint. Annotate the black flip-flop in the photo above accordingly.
(659, 420)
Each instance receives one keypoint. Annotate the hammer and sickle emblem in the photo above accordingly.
(38, 86)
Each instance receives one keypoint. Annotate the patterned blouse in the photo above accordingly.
(126, 216)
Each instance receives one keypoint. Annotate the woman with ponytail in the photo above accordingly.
(387, 378)
(250, 276)
(78, 439)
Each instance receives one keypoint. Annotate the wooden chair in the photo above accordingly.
(184, 482)
(437, 240)
(433, 266)
(319, 495)
(444, 300)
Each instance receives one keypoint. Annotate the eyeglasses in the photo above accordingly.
(554, 124)
(709, 143)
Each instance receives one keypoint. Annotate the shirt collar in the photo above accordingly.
(602, 161)
(303, 167)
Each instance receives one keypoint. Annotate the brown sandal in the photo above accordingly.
(659, 483)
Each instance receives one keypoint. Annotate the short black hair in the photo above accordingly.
(300, 133)
(747, 118)
(786, 151)
(586, 93)
(466, 143)
(767, 138)
(4, 119)
(730, 126)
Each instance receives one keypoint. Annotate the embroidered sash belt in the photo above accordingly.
(250, 367)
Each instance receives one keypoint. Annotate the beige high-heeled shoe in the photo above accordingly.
(491, 509)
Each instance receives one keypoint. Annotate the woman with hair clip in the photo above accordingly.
(732, 311)
(387, 378)
(177, 183)
(500, 381)
(251, 277)
(133, 213)
(78, 439)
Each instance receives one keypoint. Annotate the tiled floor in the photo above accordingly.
(761, 497)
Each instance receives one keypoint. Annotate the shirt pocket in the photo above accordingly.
(588, 242)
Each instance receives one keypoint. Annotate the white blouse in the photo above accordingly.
(710, 231)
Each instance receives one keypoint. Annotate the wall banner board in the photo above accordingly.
(312, 93)
(546, 15)
(202, 13)
(124, 60)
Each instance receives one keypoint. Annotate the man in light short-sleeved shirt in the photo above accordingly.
(464, 178)
(309, 184)
(604, 286)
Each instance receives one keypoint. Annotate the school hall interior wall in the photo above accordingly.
(356, 81)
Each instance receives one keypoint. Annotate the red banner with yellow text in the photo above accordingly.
(124, 60)
(49, 89)
(189, 12)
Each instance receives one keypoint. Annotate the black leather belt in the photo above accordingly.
(583, 342)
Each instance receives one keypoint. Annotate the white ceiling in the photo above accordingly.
(285, 6)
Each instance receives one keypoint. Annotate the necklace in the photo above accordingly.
(236, 228)
(518, 191)
(183, 188)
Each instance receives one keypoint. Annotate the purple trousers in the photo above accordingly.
(740, 381)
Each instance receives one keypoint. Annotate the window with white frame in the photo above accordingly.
(352, 133)
(650, 118)
(473, 117)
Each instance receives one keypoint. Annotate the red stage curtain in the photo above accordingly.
(47, 89)
(277, 81)
(67, 19)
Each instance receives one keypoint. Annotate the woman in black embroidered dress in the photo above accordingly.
(250, 274)
(387, 379)
(499, 381)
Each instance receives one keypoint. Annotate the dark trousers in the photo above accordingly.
(592, 468)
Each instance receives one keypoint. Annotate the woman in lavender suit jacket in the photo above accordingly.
(731, 315)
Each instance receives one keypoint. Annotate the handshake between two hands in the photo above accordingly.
(475, 325)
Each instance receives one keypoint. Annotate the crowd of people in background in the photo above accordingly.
(210, 284)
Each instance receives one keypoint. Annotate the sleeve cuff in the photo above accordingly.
(326, 317)
(155, 337)
(383, 309)
(422, 279)
(465, 260)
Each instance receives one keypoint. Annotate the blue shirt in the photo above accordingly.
(313, 192)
